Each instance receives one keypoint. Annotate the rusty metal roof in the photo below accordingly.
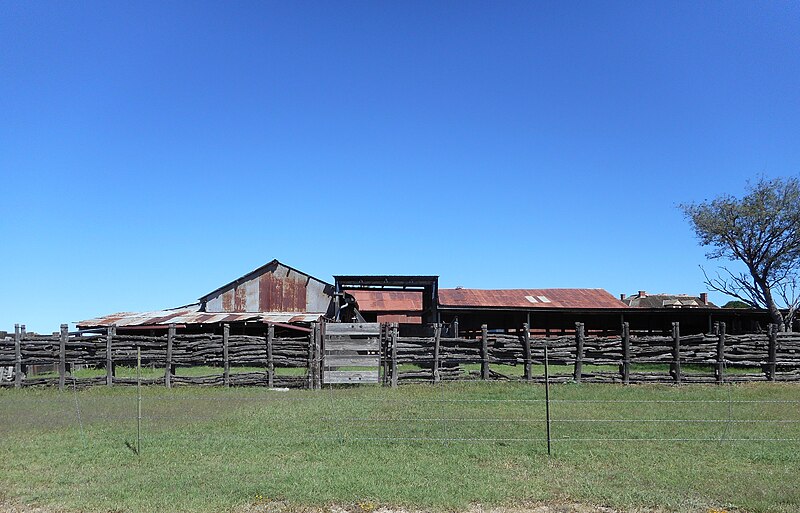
(193, 315)
(387, 301)
(529, 298)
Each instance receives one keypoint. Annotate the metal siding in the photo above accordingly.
(239, 299)
(251, 295)
(317, 297)
(227, 302)
(277, 288)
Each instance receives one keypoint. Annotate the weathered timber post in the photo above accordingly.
(455, 327)
(109, 356)
(168, 367)
(17, 358)
(310, 357)
(626, 353)
(226, 364)
(318, 355)
(720, 329)
(772, 352)
(484, 352)
(526, 347)
(579, 340)
(62, 357)
(676, 352)
(270, 360)
(394, 355)
(437, 334)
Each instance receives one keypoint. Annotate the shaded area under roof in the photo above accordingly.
(530, 298)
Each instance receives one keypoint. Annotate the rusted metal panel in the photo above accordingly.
(274, 287)
(387, 301)
(192, 315)
(529, 298)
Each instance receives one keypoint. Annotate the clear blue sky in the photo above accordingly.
(152, 151)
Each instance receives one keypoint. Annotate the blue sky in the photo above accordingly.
(152, 151)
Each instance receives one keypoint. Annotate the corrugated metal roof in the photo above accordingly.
(387, 301)
(667, 301)
(529, 298)
(193, 315)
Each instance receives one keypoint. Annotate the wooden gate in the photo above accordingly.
(351, 352)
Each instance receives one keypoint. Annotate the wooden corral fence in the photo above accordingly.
(426, 356)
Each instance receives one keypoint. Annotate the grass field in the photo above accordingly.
(419, 446)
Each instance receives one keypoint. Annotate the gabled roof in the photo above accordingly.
(529, 298)
(255, 272)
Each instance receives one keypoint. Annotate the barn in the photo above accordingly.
(275, 293)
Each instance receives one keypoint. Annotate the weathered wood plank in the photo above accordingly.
(366, 344)
(333, 377)
(368, 328)
(336, 360)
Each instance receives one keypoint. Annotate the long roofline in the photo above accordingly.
(245, 278)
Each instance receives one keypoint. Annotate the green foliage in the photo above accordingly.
(736, 304)
(761, 230)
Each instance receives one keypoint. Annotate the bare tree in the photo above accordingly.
(761, 230)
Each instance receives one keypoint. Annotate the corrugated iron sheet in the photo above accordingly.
(274, 287)
(387, 301)
(192, 315)
(529, 298)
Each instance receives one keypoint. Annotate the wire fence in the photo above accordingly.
(455, 413)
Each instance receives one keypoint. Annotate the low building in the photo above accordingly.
(644, 300)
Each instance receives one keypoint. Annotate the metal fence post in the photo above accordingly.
(547, 395)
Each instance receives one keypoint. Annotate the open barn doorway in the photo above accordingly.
(411, 299)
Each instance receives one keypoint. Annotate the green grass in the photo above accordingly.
(213, 449)
(158, 372)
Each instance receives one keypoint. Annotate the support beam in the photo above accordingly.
(579, 341)
(62, 357)
(169, 370)
(270, 360)
(626, 353)
(720, 374)
(526, 346)
(676, 352)
(109, 356)
(437, 333)
(226, 364)
(17, 357)
(484, 352)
